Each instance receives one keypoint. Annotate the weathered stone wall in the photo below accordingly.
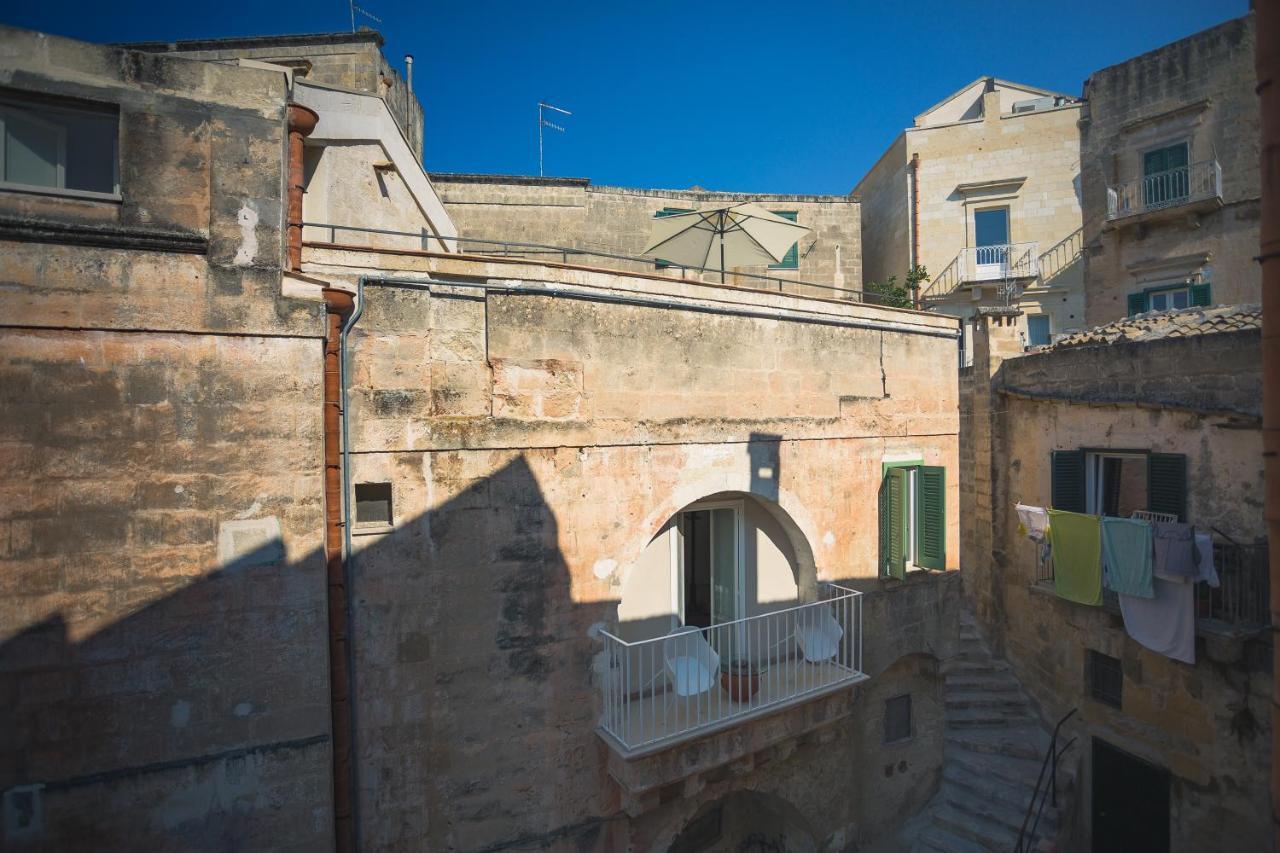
(162, 612)
(1208, 723)
(351, 61)
(535, 443)
(1199, 89)
(570, 212)
(1041, 147)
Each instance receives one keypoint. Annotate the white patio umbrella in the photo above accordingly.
(736, 235)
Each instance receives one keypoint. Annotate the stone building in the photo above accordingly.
(542, 468)
(1155, 413)
(351, 62)
(617, 220)
(984, 192)
(1169, 167)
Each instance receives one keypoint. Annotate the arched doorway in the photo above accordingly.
(746, 822)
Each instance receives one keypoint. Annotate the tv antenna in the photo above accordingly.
(365, 12)
(542, 122)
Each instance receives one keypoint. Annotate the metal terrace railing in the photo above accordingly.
(697, 680)
(1183, 185)
(356, 237)
(977, 264)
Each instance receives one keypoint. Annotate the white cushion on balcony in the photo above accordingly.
(819, 640)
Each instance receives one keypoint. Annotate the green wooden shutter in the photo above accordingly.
(791, 260)
(893, 490)
(931, 517)
(1067, 471)
(1167, 484)
(1137, 303)
(1200, 294)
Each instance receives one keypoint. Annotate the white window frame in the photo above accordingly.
(1168, 294)
(1093, 481)
(677, 558)
(32, 111)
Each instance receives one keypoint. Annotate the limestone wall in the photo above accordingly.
(1208, 723)
(536, 442)
(1200, 90)
(162, 609)
(571, 212)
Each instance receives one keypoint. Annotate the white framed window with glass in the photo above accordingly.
(59, 147)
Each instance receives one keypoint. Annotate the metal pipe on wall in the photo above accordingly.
(1267, 58)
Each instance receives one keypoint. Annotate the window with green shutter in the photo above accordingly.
(1067, 474)
(1167, 484)
(1168, 297)
(912, 519)
(791, 260)
(668, 211)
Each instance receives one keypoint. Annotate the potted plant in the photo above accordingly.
(740, 679)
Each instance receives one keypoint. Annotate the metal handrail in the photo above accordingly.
(1170, 188)
(508, 248)
(1050, 762)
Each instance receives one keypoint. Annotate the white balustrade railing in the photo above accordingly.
(1171, 188)
(694, 680)
(993, 263)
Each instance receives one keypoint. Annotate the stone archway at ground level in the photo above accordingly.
(746, 822)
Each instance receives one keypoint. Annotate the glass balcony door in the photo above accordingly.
(991, 242)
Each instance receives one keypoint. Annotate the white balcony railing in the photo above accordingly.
(978, 264)
(696, 680)
(1184, 185)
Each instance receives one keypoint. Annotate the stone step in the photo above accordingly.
(1017, 741)
(965, 718)
(1015, 771)
(972, 801)
(990, 834)
(935, 838)
(967, 666)
(981, 682)
(1015, 794)
(1006, 698)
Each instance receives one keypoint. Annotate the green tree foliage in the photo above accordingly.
(893, 294)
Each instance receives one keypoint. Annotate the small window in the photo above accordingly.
(1105, 678)
(373, 504)
(791, 260)
(53, 146)
(897, 718)
(1170, 297)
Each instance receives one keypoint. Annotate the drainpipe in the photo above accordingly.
(915, 226)
(408, 71)
(1267, 57)
(341, 312)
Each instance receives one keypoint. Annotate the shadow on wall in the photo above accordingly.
(201, 720)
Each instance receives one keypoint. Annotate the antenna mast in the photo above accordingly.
(542, 122)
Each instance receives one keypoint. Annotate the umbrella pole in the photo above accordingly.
(722, 259)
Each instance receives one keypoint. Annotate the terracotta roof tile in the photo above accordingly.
(1156, 325)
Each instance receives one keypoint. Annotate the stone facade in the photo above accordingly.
(163, 678)
(1198, 91)
(351, 61)
(572, 212)
(535, 441)
(975, 153)
(1208, 724)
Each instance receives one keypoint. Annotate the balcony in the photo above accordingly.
(981, 264)
(1186, 189)
(695, 681)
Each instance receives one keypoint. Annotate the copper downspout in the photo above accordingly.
(1267, 57)
(338, 307)
(915, 226)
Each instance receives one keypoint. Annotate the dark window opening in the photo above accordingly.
(373, 503)
(897, 718)
(1106, 679)
(52, 144)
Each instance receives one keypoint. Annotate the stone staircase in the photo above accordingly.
(995, 743)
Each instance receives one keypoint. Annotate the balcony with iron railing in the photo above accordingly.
(1184, 189)
(985, 264)
(695, 681)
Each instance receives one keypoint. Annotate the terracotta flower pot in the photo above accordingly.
(740, 680)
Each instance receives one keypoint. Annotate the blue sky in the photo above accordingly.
(762, 97)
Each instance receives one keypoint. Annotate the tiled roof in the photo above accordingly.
(1157, 325)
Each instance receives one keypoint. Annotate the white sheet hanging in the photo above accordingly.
(1166, 623)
